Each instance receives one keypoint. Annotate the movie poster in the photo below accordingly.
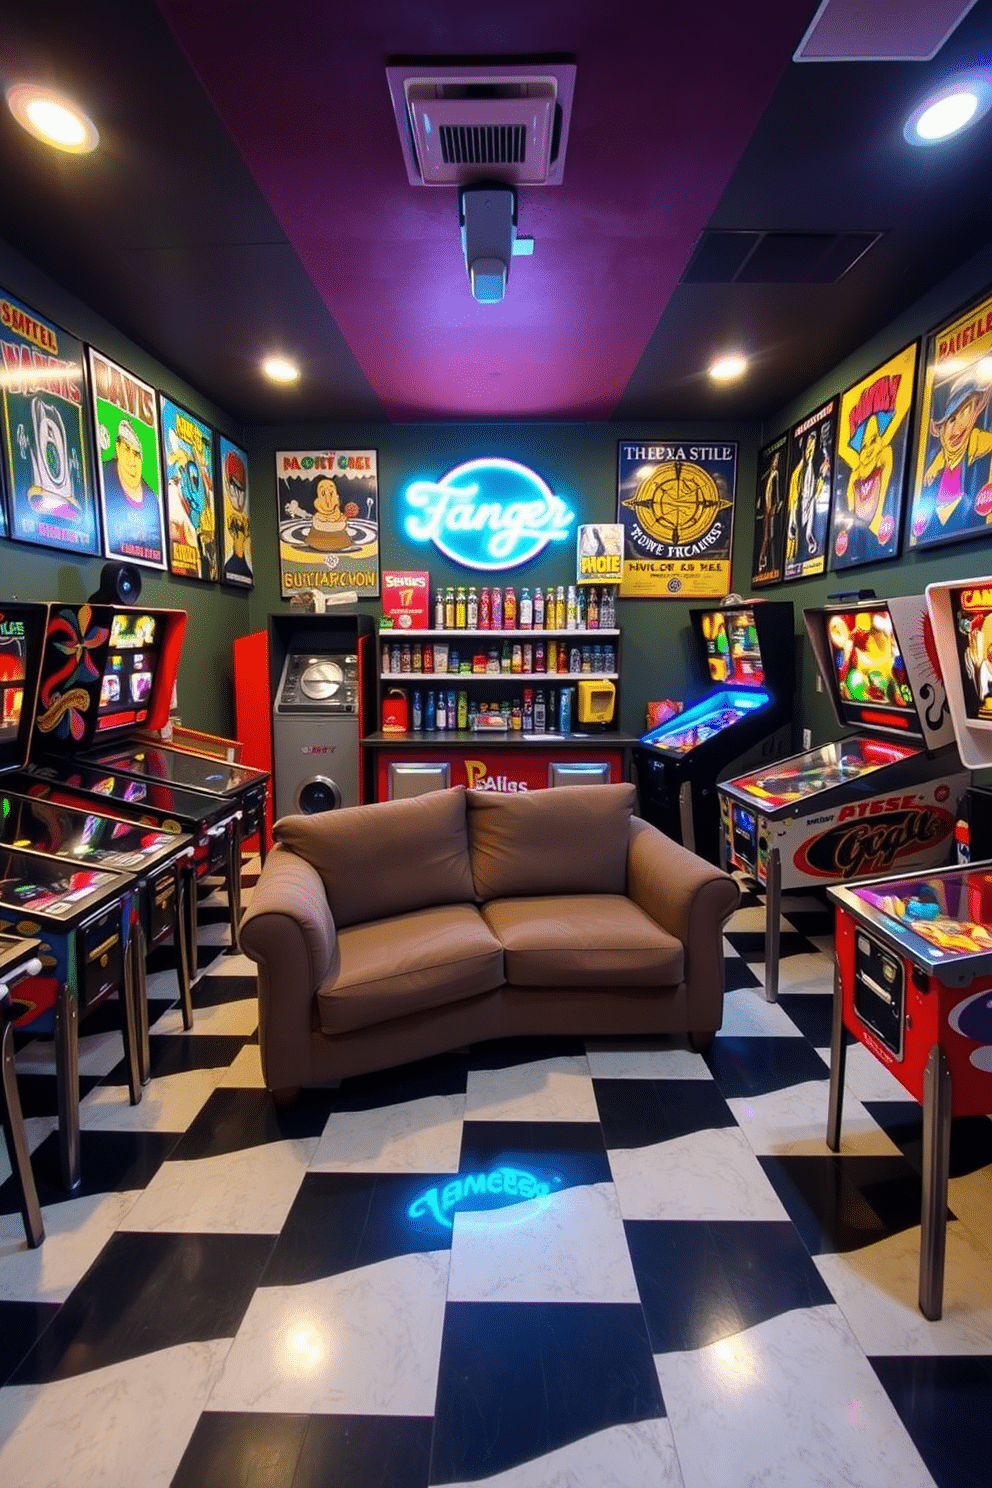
(188, 445)
(328, 522)
(972, 612)
(952, 482)
(676, 504)
(811, 469)
(46, 454)
(871, 464)
(128, 465)
(769, 513)
(235, 515)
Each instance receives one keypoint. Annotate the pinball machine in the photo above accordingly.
(746, 652)
(880, 797)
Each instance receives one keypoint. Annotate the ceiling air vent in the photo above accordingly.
(460, 124)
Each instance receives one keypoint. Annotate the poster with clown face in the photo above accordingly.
(188, 449)
(871, 464)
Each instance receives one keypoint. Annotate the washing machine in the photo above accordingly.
(315, 732)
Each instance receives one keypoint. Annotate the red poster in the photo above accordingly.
(405, 600)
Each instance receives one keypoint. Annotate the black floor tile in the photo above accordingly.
(971, 1136)
(340, 1221)
(759, 1065)
(234, 1119)
(560, 1154)
(146, 1292)
(443, 1074)
(944, 1405)
(178, 1053)
(519, 1380)
(750, 944)
(21, 1325)
(816, 920)
(840, 1204)
(39, 1094)
(111, 1162)
(812, 1013)
(506, 1052)
(238, 1449)
(638, 1113)
(700, 1282)
(737, 974)
(212, 991)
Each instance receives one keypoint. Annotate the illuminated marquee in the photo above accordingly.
(510, 1183)
(487, 514)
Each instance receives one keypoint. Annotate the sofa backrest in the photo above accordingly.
(386, 858)
(563, 841)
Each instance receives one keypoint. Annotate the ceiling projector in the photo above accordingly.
(487, 212)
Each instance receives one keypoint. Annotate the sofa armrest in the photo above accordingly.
(289, 932)
(692, 900)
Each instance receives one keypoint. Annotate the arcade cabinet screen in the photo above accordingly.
(868, 669)
(972, 611)
(13, 646)
(732, 651)
(129, 672)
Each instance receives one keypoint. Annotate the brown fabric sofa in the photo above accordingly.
(388, 932)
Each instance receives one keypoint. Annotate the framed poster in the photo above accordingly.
(811, 469)
(871, 464)
(676, 504)
(46, 449)
(235, 516)
(328, 521)
(128, 469)
(952, 482)
(769, 513)
(188, 446)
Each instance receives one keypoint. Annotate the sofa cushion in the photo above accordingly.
(407, 964)
(565, 841)
(386, 858)
(591, 940)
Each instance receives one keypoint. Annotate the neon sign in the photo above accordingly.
(488, 514)
(510, 1183)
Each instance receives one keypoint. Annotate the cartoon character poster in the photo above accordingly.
(46, 453)
(769, 513)
(189, 473)
(128, 466)
(811, 470)
(871, 465)
(235, 515)
(328, 522)
(676, 504)
(952, 482)
(972, 611)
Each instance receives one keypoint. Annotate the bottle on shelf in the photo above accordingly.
(580, 609)
(538, 609)
(496, 608)
(430, 714)
(452, 709)
(528, 657)
(540, 712)
(540, 662)
(485, 610)
(526, 610)
(428, 656)
(562, 657)
(449, 608)
(406, 657)
(506, 658)
(462, 711)
(516, 716)
(417, 712)
(517, 658)
(527, 712)
(418, 657)
(565, 711)
(560, 609)
(472, 609)
(592, 610)
(510, 608)
(461, 609)
(571, 610)
(552, 655)
(439, 610)
(441, 712)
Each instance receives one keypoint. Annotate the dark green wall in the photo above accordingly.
(216, 616)
(579, 463)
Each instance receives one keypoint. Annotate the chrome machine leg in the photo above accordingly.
(936, 1164)
(773, 907)
(67, 1076)
(13, 1125)
(838, 1063)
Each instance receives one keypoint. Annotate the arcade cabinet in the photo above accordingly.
(961, 616)
(882, 796)
(747, 654)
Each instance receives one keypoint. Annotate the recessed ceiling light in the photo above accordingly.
(280, 369)
(52, 118)
(958, 104)
(726, 368)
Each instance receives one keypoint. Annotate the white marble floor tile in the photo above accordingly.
(707, 1175)
(366, 1342)
(866, 1078)
(746, 1014)
(112, 1428)
(567, 1247)
(245, 1071)
(418, 1136)
(877, 1289)
(791, 1403)
(168, 1103)
(644, 1059)
(248, 1192)
(808, 972)
(98, 1054)
(557, 1089)
(238, 1018)
(970, 1198)
(233, 965)
(794, 1121)
(76, 1230)
(36, 1129)
(748, 920)
(638, 1455)
(215, 934)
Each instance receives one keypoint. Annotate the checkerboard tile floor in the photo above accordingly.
(582, 1262)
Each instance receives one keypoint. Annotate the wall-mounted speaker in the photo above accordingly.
(120, 583)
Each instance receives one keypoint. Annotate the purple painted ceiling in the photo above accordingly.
(666, 98)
